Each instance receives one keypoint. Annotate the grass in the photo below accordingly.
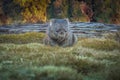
(114, 36)
(101, 44)
(22, 38)
(25, 57)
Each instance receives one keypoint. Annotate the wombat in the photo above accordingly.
(58, 33)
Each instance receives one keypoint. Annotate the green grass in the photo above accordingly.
(89, 59)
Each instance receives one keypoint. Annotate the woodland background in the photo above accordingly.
(40, 11)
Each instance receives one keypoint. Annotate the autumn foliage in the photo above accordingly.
(33, 10)
(87, 11)
(39, 11)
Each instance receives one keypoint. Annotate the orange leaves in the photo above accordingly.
(33, 10)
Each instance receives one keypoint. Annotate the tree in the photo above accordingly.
(33, 10)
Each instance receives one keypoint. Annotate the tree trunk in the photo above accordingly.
(93, 9)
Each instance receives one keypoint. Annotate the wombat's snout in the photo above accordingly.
(61, 33)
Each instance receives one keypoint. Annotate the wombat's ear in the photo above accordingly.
(67, 19)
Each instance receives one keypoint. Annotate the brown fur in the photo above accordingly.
(58, 33)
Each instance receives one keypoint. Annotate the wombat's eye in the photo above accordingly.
(65, 31)
(57, 31)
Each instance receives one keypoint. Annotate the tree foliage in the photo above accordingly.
(33, 11)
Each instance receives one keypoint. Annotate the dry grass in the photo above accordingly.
(89, 59)
(101, 44)
(22, 38)
(114, 36)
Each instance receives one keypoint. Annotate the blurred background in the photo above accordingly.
(40, 11)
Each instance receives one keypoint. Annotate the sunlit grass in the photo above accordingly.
(113, 36)
(89, 59)
(22, 38)
(101, 44)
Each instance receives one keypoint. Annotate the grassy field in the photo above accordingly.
(25, 57)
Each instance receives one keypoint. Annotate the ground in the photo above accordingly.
(25, 57)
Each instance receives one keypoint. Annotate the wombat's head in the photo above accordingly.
(58, 29)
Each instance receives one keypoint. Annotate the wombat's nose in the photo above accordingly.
(61, 32)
